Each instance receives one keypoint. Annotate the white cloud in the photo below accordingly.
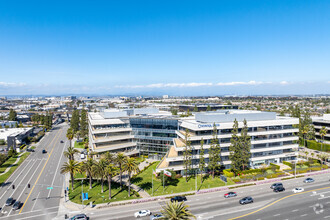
(7, 84)
(240, 83)
(284, 83)
(166, 85)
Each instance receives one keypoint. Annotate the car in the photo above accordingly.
(230, 194)
(9, 201)
(44, 151)
(29, 150)
(317, 151)
(61, 142)
(246, 200)
(308, 180)
(279, 189)
(17, 205)
(80, 217)
(156, 216)
(298, 190)
(178, 199)
(274, 185)
(142, 213)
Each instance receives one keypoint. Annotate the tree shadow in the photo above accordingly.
(146, 185)
(136, 180)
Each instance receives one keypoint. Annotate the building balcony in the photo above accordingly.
(112, 138)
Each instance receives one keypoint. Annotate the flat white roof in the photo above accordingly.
(5, 132)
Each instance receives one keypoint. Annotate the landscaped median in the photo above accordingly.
(9, 162)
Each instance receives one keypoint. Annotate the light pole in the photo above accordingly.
(82, 191)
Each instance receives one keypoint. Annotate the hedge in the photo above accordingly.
(316, 145)
(228, 173)
(277, 166)
(288, 164)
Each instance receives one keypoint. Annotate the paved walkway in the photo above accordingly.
(8, 168)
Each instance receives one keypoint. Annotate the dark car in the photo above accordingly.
(44, 151)
(80, 217)
(279, 189)
(9, 201)
(246, 200)
(273, 186)
(178, 198)
(230, 194)
(17, 205)
(61, 142)
(29, 150)
(309, 180)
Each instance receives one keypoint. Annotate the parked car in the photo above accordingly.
(230, 194)
(80, 217)
(142, 213)
(9, 201)
(308, 180)
(17, 205)
(246, 200)
(29, 150)
(317, 151)
(279, 189)
(178, 199)
(44, 151)
(61, 142)
(274, 185)
(156, 216)
(298, 190)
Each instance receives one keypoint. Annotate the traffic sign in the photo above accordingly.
(49, 187)
(84, 196)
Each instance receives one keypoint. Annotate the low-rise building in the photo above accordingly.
(322, 122)
(273, 138)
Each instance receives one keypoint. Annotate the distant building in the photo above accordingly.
(15, 136)
(319, 123)
(203, 107)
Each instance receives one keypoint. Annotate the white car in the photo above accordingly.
(298, 190)
(142, 213)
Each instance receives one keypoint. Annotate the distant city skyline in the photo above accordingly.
(179, 48)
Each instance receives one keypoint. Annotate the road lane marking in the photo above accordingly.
(58, 165)
(56, 136)
(303, 215)
(327, 216)
(35, 201)
(296, 210)
(277, 215)
(28, 182)
(33, 217)
(258, 210)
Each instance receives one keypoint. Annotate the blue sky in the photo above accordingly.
(165, 47)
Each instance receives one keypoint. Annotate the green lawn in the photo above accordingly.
(79, 145)
(178, 185)
(5, 176)
(95, 194)
(8, 162)
(80, 175)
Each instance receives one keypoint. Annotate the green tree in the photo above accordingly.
(74, 124)
(131, 166)
(214, 152)
(235, 155)
(176, 211)
(69, 135)
(71, 167)
(201, 160)
(195, 108)
(187, 154)
(12, 115)
(208, 108)
(100, 171)
(120, 161)
(83, 123)
(12, 152)
(70, 152)
(323, 132)
(109, 157)
(245, 143)
(111, 171)
(88, 167)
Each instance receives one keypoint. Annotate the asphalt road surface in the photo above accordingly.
(41, 171)
(313, 203)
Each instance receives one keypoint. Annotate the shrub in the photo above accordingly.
(277, 166)
(250, 184)
(178, 176)
(228, 173)
(260, 178)
(288, 164)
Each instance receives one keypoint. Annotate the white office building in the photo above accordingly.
(273, 138)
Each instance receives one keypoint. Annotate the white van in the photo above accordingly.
(82, 156)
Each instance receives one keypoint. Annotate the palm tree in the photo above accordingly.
(120, 160)
(131, 165)
(69, 135)
(88, 167)
(323, 132)
(109, 157)
(70, 152)
(176, 211)
(322, 157)
(71, 167)
(304, 132)
(110, 170)
(100, 168)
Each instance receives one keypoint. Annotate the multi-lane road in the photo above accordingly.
(42, 172)
(314, 203)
